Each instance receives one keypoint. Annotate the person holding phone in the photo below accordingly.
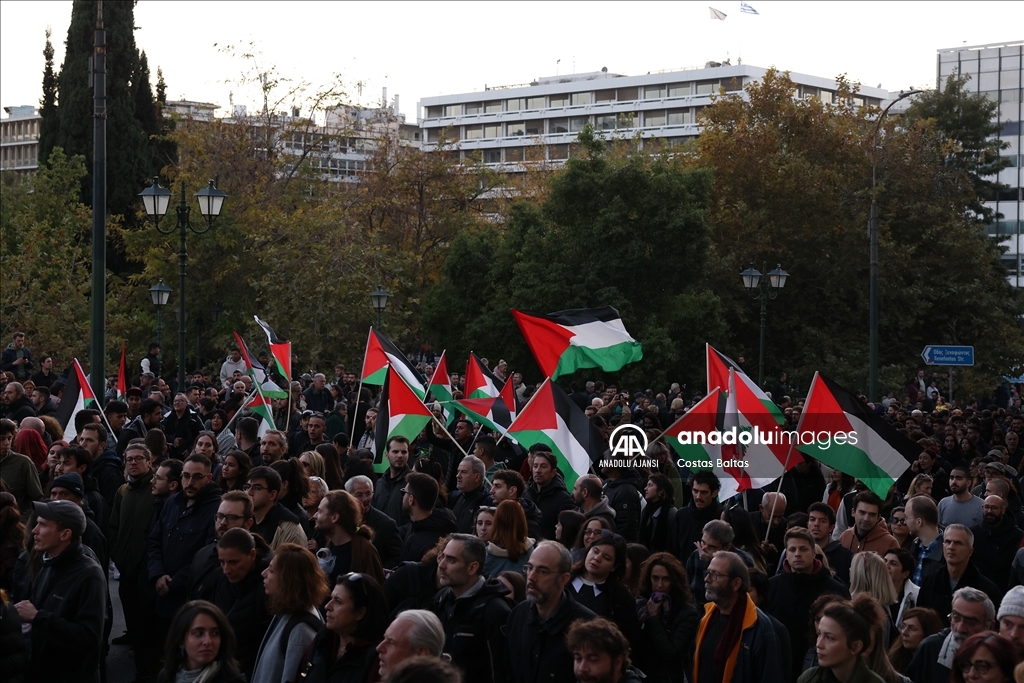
(668, 620)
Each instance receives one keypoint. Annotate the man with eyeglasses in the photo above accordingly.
(537, 627)
(275, 523)
(716, 537)
(972, 612)
(127, 530)
(185, 525)
(747, 652)
(958, 571)
(234, 512)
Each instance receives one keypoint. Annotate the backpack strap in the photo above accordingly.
(293, 621)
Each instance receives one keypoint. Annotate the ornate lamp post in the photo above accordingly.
(160, 293)
(380, 301)
(763, 289)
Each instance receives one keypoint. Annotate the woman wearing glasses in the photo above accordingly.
(345, 649)
(591, 530)
(596, 583)
(898, 528)
(984, 658)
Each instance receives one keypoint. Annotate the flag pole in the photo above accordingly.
(445, 430)
(288, 415)
(520, 412)
(785, 467)
(246, 402)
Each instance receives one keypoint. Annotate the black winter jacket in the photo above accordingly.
(536, 649)
(473, 630)
(359, 665)
(245, 605)
(423, 535)
(464, 506)
(551, 500)
(624, 497)
(386, 539)
(690, 521)
(790, 595)
(387, 496)
(108, 471)
(412, 585)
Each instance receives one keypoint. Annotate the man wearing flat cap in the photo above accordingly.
(63, 612)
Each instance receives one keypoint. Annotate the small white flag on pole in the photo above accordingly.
(747, 9)
(716, 14)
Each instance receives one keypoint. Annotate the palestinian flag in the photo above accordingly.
(480, 382)
(718, 378)
(401, 413)
(280, 350)
(261, 407)
(565, 341)
(382, 352)
(258, 373)
(77, 396)
(440, 387)
(122, 377)
(768, 453)
(840, 430)
(699, 451)
(552, 419)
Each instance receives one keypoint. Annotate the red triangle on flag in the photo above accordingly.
(540, 414)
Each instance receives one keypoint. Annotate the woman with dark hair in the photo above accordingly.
(568, 526)
(918, 624)
(843, 639)
(746, 538)
(332, 466)
(840, 485)
(984, 658)
(345, 649)
(483, 522)
(234, 471)
(591, 529)
(434, 469)
(815, 612)
(659, 514)
(636, 555)
(516, 583)
(294, 487)
(509, 547)
(295, 586)
(596, 583)
(200, 647)
(668, 620)
(206, 445)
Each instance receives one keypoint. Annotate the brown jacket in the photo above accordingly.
(878, 540)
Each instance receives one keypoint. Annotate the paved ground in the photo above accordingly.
(120, 664)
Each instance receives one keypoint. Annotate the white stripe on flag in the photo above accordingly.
(747, 9)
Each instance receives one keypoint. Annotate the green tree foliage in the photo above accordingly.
(966, 125)
(628, 231)
(49, 124)
(44, 262)
(129, 156)
(792, 186)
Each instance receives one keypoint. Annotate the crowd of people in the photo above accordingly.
(280, 555)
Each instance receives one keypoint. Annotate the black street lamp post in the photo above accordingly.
(380, 301)
(763, 288)
(160, 293)
(156, 200)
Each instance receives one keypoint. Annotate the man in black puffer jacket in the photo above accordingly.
(547, 490)
(240, 594)
(66, 603)
(429, 524)
(622, 488)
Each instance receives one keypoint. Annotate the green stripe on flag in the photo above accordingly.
(850, 460)
(610, 358)
(376, 379)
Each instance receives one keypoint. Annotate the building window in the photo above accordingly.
(577, 123)
(629, 94)
(513, 129)
(826, 97)
(560, 100)
(654, 92)
(679, 89)
(473, 108)
(734, 85)
(515, 104)
(492, 107)
(474, 132)
(604, 96)
(581, 98)
(654, 118)
(535, 127)
(605, 122)
(556, 126)
(679, 117)
(492, 130)
(707, 87)
(453, 110)
(627, 119)
(557, 152)
(535, 103)
(492, 156)
(513, 154)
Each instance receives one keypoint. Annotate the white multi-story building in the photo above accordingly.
(996, 71)
(19, 139)
(506, 126)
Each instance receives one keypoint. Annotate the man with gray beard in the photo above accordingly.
(973, 612)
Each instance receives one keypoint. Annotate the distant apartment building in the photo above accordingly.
(510, 125)
(19, 139)
(996, 71)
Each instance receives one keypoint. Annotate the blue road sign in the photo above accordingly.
(948, 355)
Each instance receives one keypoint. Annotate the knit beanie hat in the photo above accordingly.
(1012, 604)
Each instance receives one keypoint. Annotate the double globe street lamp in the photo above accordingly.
(763, 289)
(157, 199)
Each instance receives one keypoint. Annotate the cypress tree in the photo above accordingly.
(48, 104)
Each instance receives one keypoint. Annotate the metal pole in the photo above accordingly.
(764, 316)
(873, 296)
(160, 327)
(199, 323)
(182, 261)
(378, 318)
(99, 208)
(950, 387)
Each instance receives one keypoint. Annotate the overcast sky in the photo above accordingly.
(423, 49)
